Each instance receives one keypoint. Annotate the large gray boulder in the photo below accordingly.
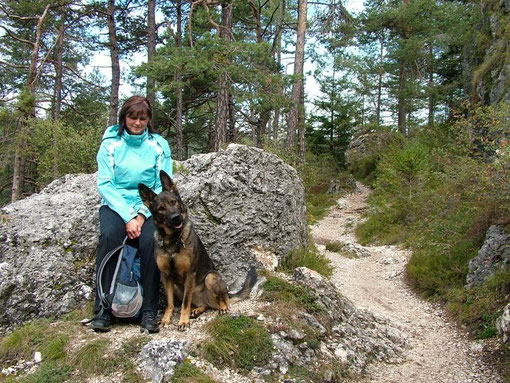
(47, 250)
(247, 205)
(492, 256)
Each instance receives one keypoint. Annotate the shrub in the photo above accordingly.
(437, 193)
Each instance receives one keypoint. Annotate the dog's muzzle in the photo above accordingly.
(175, 220)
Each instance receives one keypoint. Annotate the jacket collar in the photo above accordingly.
(134, 140)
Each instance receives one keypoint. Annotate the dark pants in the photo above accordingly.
(112, 232)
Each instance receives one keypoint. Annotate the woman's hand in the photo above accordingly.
(134, 227)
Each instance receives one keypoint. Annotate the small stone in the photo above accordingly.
(37, 357)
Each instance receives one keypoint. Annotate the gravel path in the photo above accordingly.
(439, 352)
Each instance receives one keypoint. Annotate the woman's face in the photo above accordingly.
(136, 124)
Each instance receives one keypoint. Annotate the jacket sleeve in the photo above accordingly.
(164, 163)
(106, 184)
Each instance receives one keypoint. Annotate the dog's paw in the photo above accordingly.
(222, 311)
(195, 314)
(165, 322)
(183, 325)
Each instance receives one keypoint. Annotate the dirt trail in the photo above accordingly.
(439, 352)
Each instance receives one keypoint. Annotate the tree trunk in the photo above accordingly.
(27, 105)
(178, 78)
(222, 101)
(298, 73)
(261, 128)
(57, 92)
(232, 131)
(277, 47)
(114, 54)
(379, 81)
(332, 109)
(432, 100)
(151, 48)
(401, 104)
(301, 125)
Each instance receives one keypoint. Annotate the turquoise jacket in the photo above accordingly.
(124, 162)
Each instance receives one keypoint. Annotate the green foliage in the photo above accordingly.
(316, 173)
(374, 141)
(480, 305)
(238, 342)
(308, 257)
(188, 373)
(438, 193)
(61, 149)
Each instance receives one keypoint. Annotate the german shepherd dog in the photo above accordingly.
(187, 272)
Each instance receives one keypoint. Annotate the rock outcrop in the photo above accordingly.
(503, 324)
(248, 207)
(358, 337)
(493, 74)
(159, 358)
(492, 256)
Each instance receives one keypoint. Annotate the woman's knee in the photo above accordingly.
(112, 233)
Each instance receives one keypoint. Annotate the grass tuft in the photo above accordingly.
(186, 372)
(281, 291)
(238, 342)
(50, 372)
(92, 358)
(306, 257)
(21, 343)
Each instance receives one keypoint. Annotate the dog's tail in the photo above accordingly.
(249, 282)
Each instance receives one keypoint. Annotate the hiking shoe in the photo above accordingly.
(102, 322)
(149, 322)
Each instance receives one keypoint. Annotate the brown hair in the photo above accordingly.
(135, 106)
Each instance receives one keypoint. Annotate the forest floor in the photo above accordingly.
(439, 351)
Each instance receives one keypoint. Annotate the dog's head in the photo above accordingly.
(167, 208)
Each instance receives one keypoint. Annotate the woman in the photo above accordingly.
(130, 153)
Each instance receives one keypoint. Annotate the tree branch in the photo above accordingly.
(10, 33)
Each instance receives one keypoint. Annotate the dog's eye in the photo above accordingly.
(161, 209)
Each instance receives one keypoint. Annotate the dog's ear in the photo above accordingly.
(167, 183)
(147, 194)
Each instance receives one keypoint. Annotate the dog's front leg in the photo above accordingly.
(189, 287)
(163, 261)
(169, 289)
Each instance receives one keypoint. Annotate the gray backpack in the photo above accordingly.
(123, 298)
